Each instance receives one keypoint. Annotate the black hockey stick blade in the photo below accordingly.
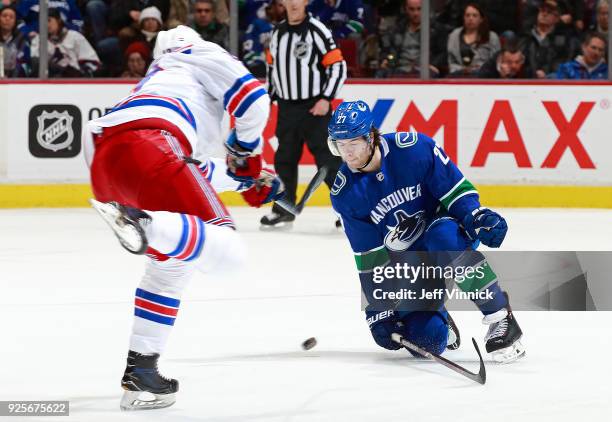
(287, 206)
(314, 183)
(480, 377)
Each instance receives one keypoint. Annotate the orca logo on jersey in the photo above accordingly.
(301, 50)
(406, 139)
(55, 131)
(407, 230)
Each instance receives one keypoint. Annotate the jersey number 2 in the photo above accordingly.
(440, 154)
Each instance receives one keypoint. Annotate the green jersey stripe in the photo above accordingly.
(461, 189)
(366, 261)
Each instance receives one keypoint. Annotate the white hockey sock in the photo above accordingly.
(179, 236)
(205, 247)
(157, 302)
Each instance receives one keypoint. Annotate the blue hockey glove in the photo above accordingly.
(382, 325)
(487, 226)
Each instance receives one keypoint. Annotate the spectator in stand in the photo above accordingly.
(549, 43)
(125, 15)
(249, 11)
(506, 64)
(15, 44)
(179, 13)
(124, 27)
(70, 54)
(472, 44)
(137, 60)
(388, 12)
(503, 15)
(571, 13)
(150, 24)
(343, 17)
(27, 11)
(589, 65)
(601, 18)
(206, 24)
(257, 38)
(5, 3)
(96, 14)
(400, 47)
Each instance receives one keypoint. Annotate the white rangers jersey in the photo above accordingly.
(191, 83)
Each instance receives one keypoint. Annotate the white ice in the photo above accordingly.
(66, 310)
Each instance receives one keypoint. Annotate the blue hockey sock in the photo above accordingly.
(497, 302)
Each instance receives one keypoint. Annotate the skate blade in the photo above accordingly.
(132, 400)
(132, 238)
(280, 227)
(509, 354)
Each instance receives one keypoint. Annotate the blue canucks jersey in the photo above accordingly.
(344, 18)
(256, 40)
(389, 210)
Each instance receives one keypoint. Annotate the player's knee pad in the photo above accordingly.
(445, 234)
(445, 240)
(428, 330)
(224, 250)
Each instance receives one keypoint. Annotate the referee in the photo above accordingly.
(305, 72)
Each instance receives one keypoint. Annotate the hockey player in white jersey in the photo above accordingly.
(156, 185)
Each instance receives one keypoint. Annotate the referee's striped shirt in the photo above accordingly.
(304, 62)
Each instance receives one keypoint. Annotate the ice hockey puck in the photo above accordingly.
(309, 343)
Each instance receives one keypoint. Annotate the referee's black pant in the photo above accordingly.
(295, 125)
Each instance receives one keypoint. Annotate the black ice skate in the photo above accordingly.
(127, 224)
(276, 221)
(503, 339)
(454, 338)
(142, 379)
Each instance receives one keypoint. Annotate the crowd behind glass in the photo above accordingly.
(553, 39)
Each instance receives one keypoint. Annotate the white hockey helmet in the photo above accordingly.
(168, 41)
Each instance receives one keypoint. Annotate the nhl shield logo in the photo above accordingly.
(55, 131)
(301, 50)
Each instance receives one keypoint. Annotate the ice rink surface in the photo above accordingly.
(66, 310)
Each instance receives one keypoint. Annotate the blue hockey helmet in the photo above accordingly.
(350, 120)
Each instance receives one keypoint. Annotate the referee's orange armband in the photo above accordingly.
(269, 58)
(331, 57)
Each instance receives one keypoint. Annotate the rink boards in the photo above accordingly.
(523, 144)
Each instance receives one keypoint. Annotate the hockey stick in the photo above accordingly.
(310, 189)
(480, 377)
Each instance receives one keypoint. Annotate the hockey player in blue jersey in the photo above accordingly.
(397, 193)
